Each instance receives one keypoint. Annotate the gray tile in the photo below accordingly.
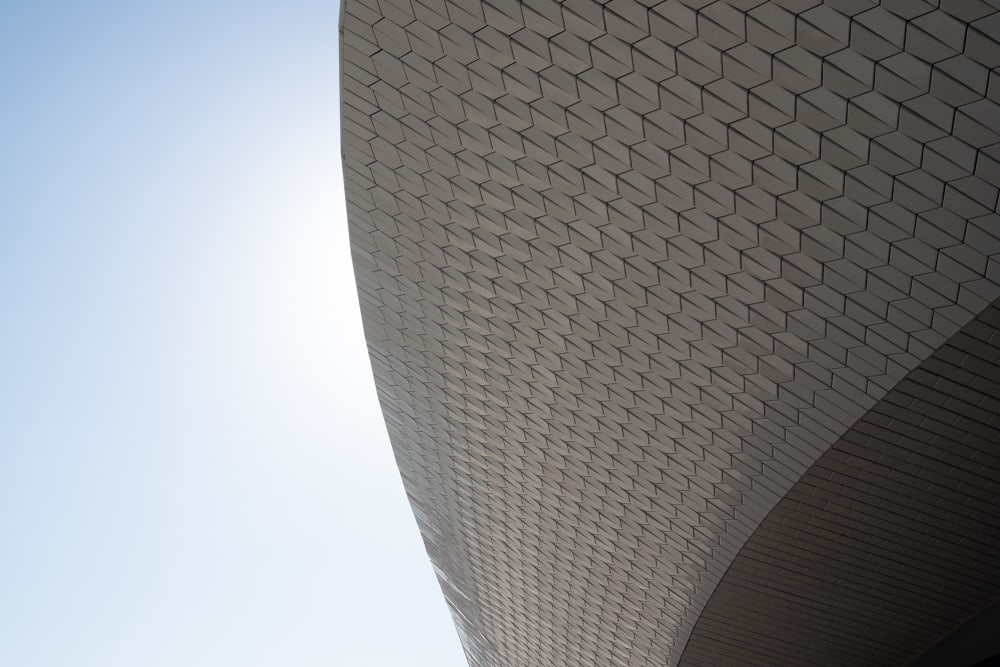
(647, 265)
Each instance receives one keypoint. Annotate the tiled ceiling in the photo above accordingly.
(629, 270)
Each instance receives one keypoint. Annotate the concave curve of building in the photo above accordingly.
(632, 274)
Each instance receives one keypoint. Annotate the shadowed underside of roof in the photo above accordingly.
(630, 270)
(889, 542)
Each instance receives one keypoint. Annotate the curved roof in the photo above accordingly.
(630, 270)
(891, 539)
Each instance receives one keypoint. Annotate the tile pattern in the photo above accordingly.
(627, 269)
(889, 542)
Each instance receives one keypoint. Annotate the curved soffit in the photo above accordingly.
(889, 542)
(627, 271)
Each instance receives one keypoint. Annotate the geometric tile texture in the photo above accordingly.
(629, 269)
(889, 542)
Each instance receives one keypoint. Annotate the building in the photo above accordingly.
(684, 318)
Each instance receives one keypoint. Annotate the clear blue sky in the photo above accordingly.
(193, 468)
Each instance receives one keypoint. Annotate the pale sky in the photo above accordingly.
(193, 467)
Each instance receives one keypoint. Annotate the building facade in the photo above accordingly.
(684, 319)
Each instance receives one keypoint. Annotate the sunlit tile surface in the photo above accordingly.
(629, 270)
